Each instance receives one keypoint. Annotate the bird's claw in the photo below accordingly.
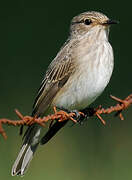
(79, 116)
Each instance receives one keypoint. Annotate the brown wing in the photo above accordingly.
(56, 76)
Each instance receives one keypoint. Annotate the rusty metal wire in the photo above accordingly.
(62, 115)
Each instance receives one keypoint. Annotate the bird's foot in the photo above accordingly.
(65, 114)
(78, 116)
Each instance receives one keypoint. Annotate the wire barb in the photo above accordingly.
(63, 116)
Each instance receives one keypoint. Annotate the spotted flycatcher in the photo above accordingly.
(74, 79)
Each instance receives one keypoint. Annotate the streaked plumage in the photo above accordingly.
(74, 79)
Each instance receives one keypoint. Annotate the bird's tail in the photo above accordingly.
(31, 142)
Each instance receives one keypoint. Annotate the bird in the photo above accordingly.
(74, 79)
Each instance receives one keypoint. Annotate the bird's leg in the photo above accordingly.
(78, 115)
(82, 115)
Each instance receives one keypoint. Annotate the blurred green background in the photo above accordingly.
(31, 33)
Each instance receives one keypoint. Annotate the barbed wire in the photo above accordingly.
(63, 115)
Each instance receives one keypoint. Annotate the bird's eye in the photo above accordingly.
(87, 21)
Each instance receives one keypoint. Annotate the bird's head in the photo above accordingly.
(90, 20)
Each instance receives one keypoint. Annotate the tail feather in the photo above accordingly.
(31, 142)
(18, 163)
(26, 153)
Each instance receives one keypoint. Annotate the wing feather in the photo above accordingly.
(56, 76)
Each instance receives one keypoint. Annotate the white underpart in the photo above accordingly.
(94, 72)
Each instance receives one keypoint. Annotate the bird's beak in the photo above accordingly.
(109, 22)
